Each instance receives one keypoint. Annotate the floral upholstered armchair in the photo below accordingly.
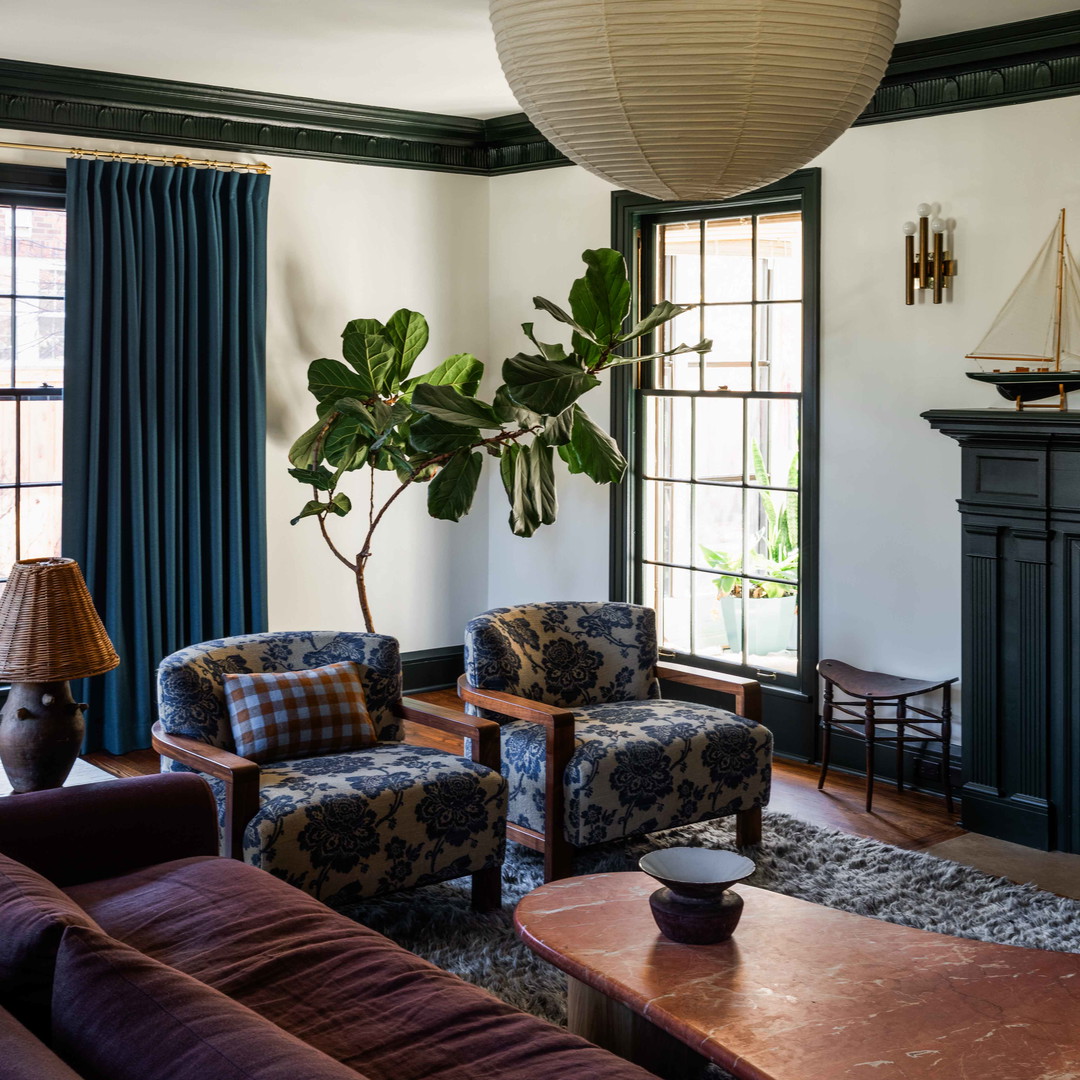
(345, 825)
(591, 751)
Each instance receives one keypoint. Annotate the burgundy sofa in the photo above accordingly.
(130, 949)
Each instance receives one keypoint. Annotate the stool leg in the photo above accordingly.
(869, 729)
(901, 716)
(946, 744)
(826, 733)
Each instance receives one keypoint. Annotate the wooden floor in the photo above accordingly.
(911, 820)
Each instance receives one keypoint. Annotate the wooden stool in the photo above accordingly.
(871, 690)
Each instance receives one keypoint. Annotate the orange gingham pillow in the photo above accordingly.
(286, 714)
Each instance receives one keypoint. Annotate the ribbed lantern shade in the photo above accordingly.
(49, 629)
(693, 99)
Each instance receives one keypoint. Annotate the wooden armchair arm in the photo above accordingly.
(746, 692)
(483, 733)
(518, 707)
(239, 774)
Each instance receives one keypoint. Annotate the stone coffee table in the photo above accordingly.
(803, 992)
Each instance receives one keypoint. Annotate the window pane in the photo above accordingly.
(772, 439)
(39, 522)
(729, 246)
(667, 523)
(5, 253)
(7, 355)
(779, 348)
(717, 620)
(718, 439)
(772, 539)
(8, 408)
(39, 342)
(667, 591)
(39, 252)
(718, 521)
(7, 531)
(779, 256)
(667, 426)
(680, 372)
(728, 365)
(42, 442)
(772, 639)
(679, 270)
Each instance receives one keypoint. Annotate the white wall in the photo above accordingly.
(890, 532)
(348, 241)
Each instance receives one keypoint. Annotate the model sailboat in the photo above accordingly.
(1038, 330)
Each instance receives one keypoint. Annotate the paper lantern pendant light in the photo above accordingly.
(693, 99)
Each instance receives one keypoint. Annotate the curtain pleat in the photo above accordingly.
(164, 418)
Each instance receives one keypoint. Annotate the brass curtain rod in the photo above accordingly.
(178, 160)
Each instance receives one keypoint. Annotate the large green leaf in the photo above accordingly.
(371, 353)
(510, 412)
(304, 449)
(320, 478)
(664, 312)
(592, 451)
(311, 508)
(588, 352)
(529, 480)
(548, 352)
(557, 429)
(463, 371)
(430, 435)
(331, 379)
(449, 404)
(408, 333)
(451, 492)
(344, 444)
(600, 300)
(340, 504)
(543, 386)
(557, 312)
(542, 478)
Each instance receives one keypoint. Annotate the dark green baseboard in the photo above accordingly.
(432, 669)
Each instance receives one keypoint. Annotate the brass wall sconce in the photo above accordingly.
(927, 269)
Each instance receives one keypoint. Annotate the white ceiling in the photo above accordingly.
(431, 55)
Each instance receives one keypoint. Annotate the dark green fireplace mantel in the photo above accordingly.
(1020, 517)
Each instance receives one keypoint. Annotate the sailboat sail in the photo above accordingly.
(1025, 326)
(1070, 312)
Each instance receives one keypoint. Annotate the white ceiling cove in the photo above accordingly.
(430, 55)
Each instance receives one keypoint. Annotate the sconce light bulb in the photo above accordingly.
(937, 225)
(910, 228)
(923, 209)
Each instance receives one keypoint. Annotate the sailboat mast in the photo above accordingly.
(1060, 293)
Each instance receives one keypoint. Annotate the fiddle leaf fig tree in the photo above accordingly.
(433, 429)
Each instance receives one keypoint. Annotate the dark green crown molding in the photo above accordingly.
(1000, 65)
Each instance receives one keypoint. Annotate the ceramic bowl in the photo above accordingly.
(701, 873)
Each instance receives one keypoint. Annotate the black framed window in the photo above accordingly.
(716, 526)
(32, 257)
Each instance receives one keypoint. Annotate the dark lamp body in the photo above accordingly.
(41, 733)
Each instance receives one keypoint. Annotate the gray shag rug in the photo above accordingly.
(795, 858)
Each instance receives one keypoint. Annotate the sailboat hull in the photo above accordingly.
(1028, 385)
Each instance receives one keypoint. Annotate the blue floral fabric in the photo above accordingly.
(565, 654)
(343, 826)
(641, 766)
(372, 821)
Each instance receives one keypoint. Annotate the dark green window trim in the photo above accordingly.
(977, 69)
(791, 701)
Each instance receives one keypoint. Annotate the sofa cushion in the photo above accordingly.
(34, 914)
(286, 714)
(333, 983)
(25, 1057)
(120, 1015)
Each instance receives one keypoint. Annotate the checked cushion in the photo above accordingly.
(296, 714)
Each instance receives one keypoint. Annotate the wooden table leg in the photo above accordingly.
(604, 1021)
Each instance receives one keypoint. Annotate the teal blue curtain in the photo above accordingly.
(164, 418)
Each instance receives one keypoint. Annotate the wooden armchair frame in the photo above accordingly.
(240, 776)
(558, 852)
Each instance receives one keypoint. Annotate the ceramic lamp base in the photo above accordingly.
(692, 921)
(41, 733)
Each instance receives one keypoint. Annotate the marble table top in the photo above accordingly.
(804, 992)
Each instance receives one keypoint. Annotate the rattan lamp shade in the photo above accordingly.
(49, 629)
(693, 99)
